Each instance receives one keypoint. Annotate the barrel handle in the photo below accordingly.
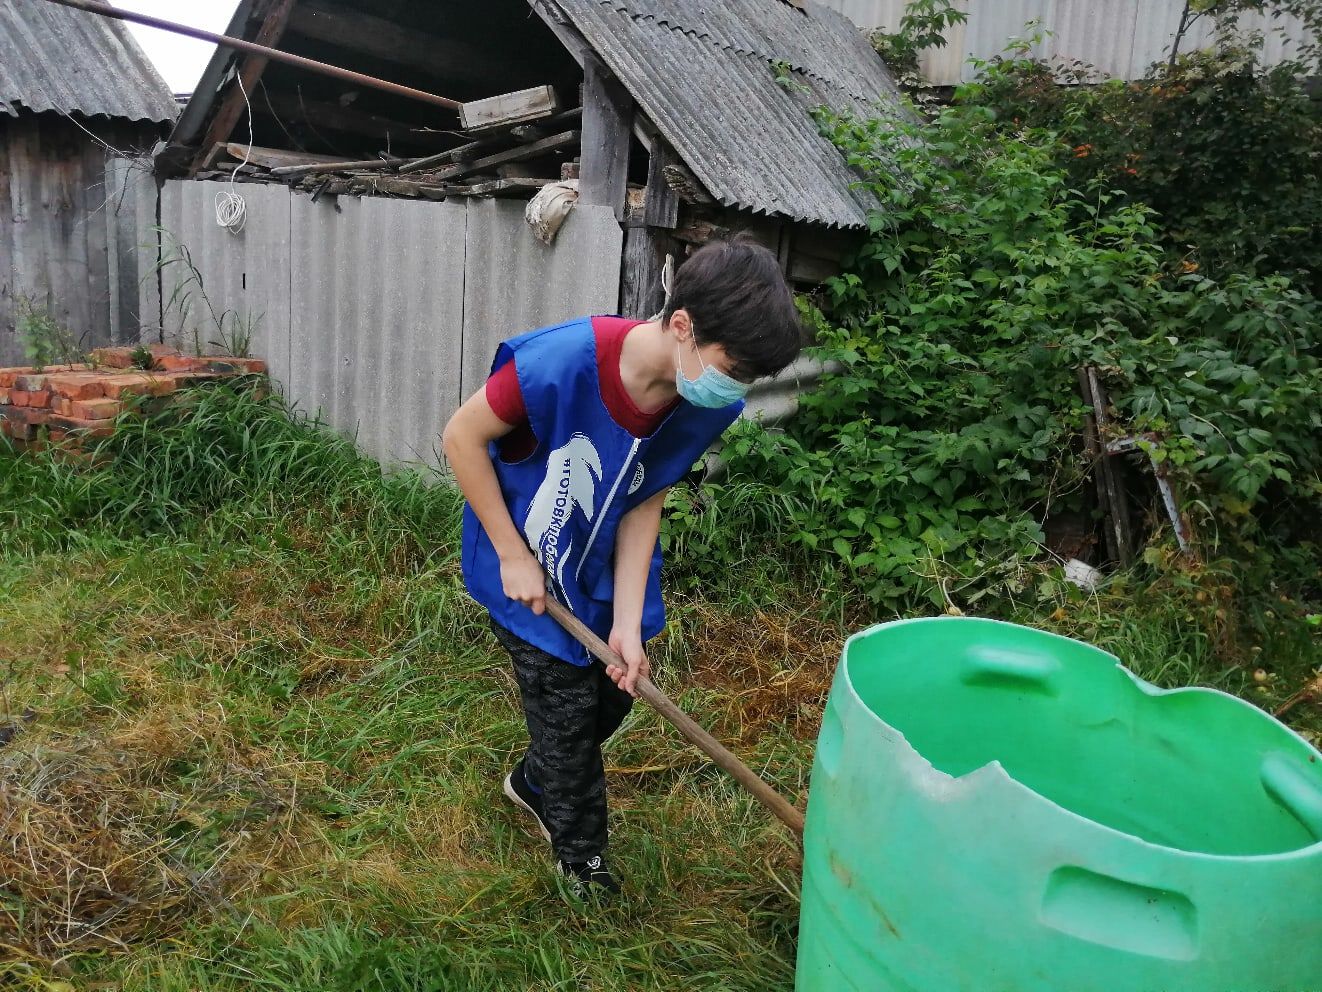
(1292, 787)
(1113, 912)
(987, 665)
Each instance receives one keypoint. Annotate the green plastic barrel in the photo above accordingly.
(995, 808)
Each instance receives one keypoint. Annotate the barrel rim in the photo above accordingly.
(996, 769)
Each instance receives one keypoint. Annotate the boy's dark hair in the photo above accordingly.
(738, 298)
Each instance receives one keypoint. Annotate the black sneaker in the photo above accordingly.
(589, 878)
(522, 795)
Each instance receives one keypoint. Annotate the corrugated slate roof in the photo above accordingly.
(56, 58)
(703, 71)
(817, 41)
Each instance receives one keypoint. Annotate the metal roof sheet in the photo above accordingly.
(69, 61)
(705, 74)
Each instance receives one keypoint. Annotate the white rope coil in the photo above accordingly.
(231, 207)
(231, 211)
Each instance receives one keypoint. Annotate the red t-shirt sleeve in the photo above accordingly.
(505, 396)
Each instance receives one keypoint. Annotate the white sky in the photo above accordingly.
(180, 60)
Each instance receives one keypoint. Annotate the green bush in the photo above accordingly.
(1226, 150)
(927, 460)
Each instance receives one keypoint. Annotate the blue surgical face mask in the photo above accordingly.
(713, 389)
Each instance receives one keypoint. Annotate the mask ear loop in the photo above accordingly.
(667, 284)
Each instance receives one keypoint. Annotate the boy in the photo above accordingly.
(565, 458)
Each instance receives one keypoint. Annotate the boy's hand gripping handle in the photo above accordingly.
(705, 742)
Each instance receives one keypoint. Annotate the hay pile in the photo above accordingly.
(105, 843)
(769, 669)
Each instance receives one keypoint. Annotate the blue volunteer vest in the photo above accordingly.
(567, 498)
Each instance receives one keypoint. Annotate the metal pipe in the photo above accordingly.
(274, 54)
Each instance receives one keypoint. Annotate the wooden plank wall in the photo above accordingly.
(57, 227)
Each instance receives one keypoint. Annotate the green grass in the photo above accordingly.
(240, 641)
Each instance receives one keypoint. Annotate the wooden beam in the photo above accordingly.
(235, 102)
(543, 147)
(212, 157)
(1111, 499)
(509, 109)
(464, 153)
(492, 141)
(380, 38)
(504, 187)
(686, 184)
(564, 120)
(392, 186)
(327, 185)
(272, 158)
(308, 168)
(610, 102)
(662, 209)
(607, 130)
(701, 232)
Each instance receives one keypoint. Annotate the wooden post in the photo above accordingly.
(662, 208)
(785, 248)
(607, 120)
(233, 106)
(642, 294)
(1111, 497)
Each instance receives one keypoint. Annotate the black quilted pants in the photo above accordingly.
(570, 711)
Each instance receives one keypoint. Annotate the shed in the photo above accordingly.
(684, 117)
(73, 89)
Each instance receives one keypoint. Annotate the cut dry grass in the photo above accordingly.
(106, 843)
(766, 668)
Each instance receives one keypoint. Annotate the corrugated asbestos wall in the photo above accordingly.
(378, 315)
(381, 315)
(1121, 38)
(68, 220)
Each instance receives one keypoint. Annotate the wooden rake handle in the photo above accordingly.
(681, 721)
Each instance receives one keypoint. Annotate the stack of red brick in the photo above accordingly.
(66, 403)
